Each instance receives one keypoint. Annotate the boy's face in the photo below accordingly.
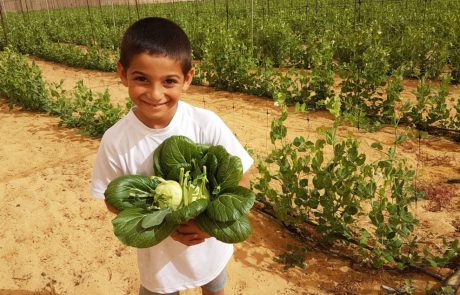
(155, 84)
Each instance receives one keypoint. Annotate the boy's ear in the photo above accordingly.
(122, 74)
(188, 79)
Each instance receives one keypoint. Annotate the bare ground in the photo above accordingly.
(56, 239)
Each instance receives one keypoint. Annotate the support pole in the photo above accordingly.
(113, 15)
(137, 10)
(226, 10)
(129, 12)
(22, 10)
(93, 41)
(48, 9)
(4, 24)
(252, 24)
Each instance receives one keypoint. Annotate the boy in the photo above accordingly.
(155, 65)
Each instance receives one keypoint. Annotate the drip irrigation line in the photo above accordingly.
(266, 208)
(453, 180)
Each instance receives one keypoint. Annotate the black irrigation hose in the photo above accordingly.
(266, 208)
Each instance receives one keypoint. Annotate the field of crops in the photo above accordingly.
(351, 109)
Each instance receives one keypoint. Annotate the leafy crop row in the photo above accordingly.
(370, 62)
(81, 108)
(424, 38)
(329, 182)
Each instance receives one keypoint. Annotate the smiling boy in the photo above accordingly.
(156, 66)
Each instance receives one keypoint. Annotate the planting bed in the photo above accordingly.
(58, 240)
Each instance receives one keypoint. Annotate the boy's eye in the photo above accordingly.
(170, 81)
(140, 79)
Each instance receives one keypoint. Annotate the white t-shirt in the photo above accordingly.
(126, 149)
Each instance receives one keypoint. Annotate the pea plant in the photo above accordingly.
(23, 85)
(331, 183)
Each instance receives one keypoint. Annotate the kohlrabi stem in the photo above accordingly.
(181, 176)
(204, 179)
(187, 184)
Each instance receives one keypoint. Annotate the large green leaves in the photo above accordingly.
(131, 191)
(225, 215)
(224, 170)
(144, 222)
(174, 153)
(129, 230)
(228, 232)
(186, 213)
(231, 204)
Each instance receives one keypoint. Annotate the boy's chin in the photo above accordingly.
(155, 117)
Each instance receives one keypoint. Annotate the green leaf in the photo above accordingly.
(226, 169)
(155, 217)
(298, 141)
(400, 138)
(352, 210)
(131, 191)
(330, 136)
(157, 162)
(317, 160)
(186, 213)
(231, 204)
(176, 152)
(377, 145)
(228, 232)
(410, 173)
(127, 226)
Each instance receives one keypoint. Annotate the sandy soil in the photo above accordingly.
(56, 239)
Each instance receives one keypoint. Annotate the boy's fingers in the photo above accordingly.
(188, 236)
(187, 239)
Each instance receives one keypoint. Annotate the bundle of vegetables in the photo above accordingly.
(192, 181)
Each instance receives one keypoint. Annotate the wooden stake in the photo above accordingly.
(113, 15)
(93, 42)
(27, 7)
(4, 24)
(129, 13)
(48, 9)
(226, 10)
(137, 10)
(22, 10)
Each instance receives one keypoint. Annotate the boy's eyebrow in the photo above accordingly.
(138, 73)
(166, 76)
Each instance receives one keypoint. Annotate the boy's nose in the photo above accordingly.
(156, 93)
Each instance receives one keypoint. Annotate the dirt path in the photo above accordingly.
(58, 240)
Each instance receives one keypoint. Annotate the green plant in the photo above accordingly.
(150, 207)
(430, 108)
(330, 183)
(207, 177)
(92, 112)
(22, 83)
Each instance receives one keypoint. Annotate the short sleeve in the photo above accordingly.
(105, 170)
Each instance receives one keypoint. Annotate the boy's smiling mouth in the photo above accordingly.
(154, 104)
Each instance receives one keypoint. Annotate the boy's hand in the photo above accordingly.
(189, 234)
